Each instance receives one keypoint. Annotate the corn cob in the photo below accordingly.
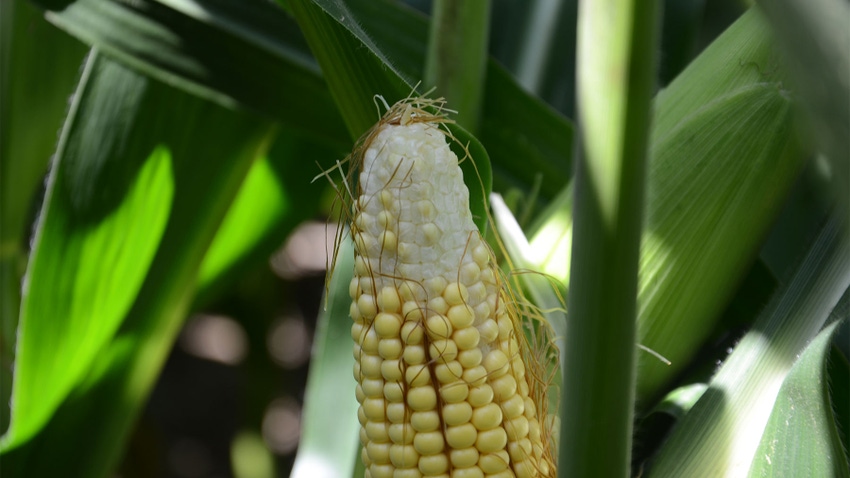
(442, 382)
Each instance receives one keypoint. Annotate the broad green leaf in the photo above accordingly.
(800, 437)
(196, 47)
(722, 431)
(143, 177)
(329, 445)
(34, 92)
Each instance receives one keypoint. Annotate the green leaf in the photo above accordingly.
(143, 177)
(329, 442)
(723, 430)
(800, 437)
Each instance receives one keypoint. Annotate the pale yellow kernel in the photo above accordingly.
(525, 469)
(373, 387)
(488, 275)
(530, 408)
(401, 433)
(482, 313)
(426, 421)
(477, 293)
(391, 370)
(435, 286)
(382, 470)
(364, 455)
(358, 374)
(454, 392)
(506, 328)
(519, 450)
(480, 395)
(417, 375)
(534, 430)
(464, 457)
(461, 316)
(361, 267)
(409, 291)
(390, 348)
(354, 288)
(456, 294)
(469, 273)
(388, 300)
(523, 385)
(504, 387)
(429, 443)
(357, 351)
(438, 327)
(393, 392)
(422, 398)
(403, 456)
(414, 354)
(443, 350)
(407, 473)
(364, 243)
(513, 407)
(370, 366)
(437, 305)
(369, 341)
(457, 413)
(359, 394)
(433, 464)
(373, 408)
(475, 376)
(378, 452)
(448, 372)
(461, 436)
(387, 325)
(481, 255)
(426, 209)
(389, 242)
(396, 412)
(411, 312)
(466, 339)
(469, 358)
(412, 333)
(367, 285)
(356, 316)
(496, 363)
(491, 440)
(430, 234)
(487, 417)
(470, 472)
(363, 220)
(377, 431)
(361, 416)
(387, 200)
(364, 437)
(502, 474)
(517, 428)
(357, 331)
(494, 462)
(385, 219)
(367, 306)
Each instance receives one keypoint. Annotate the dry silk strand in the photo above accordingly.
(443, 379)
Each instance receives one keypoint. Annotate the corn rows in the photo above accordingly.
(441, 381)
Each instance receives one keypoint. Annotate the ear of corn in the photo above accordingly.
(445, 381)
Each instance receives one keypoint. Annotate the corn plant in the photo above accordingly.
(671, 222)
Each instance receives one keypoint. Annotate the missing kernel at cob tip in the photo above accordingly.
(446, 377)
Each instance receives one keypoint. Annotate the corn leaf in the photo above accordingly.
(801, 434)
(329, 445)
(723, 430)
(143, 177)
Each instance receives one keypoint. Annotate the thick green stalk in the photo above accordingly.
(616, 69)
(457, 56)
